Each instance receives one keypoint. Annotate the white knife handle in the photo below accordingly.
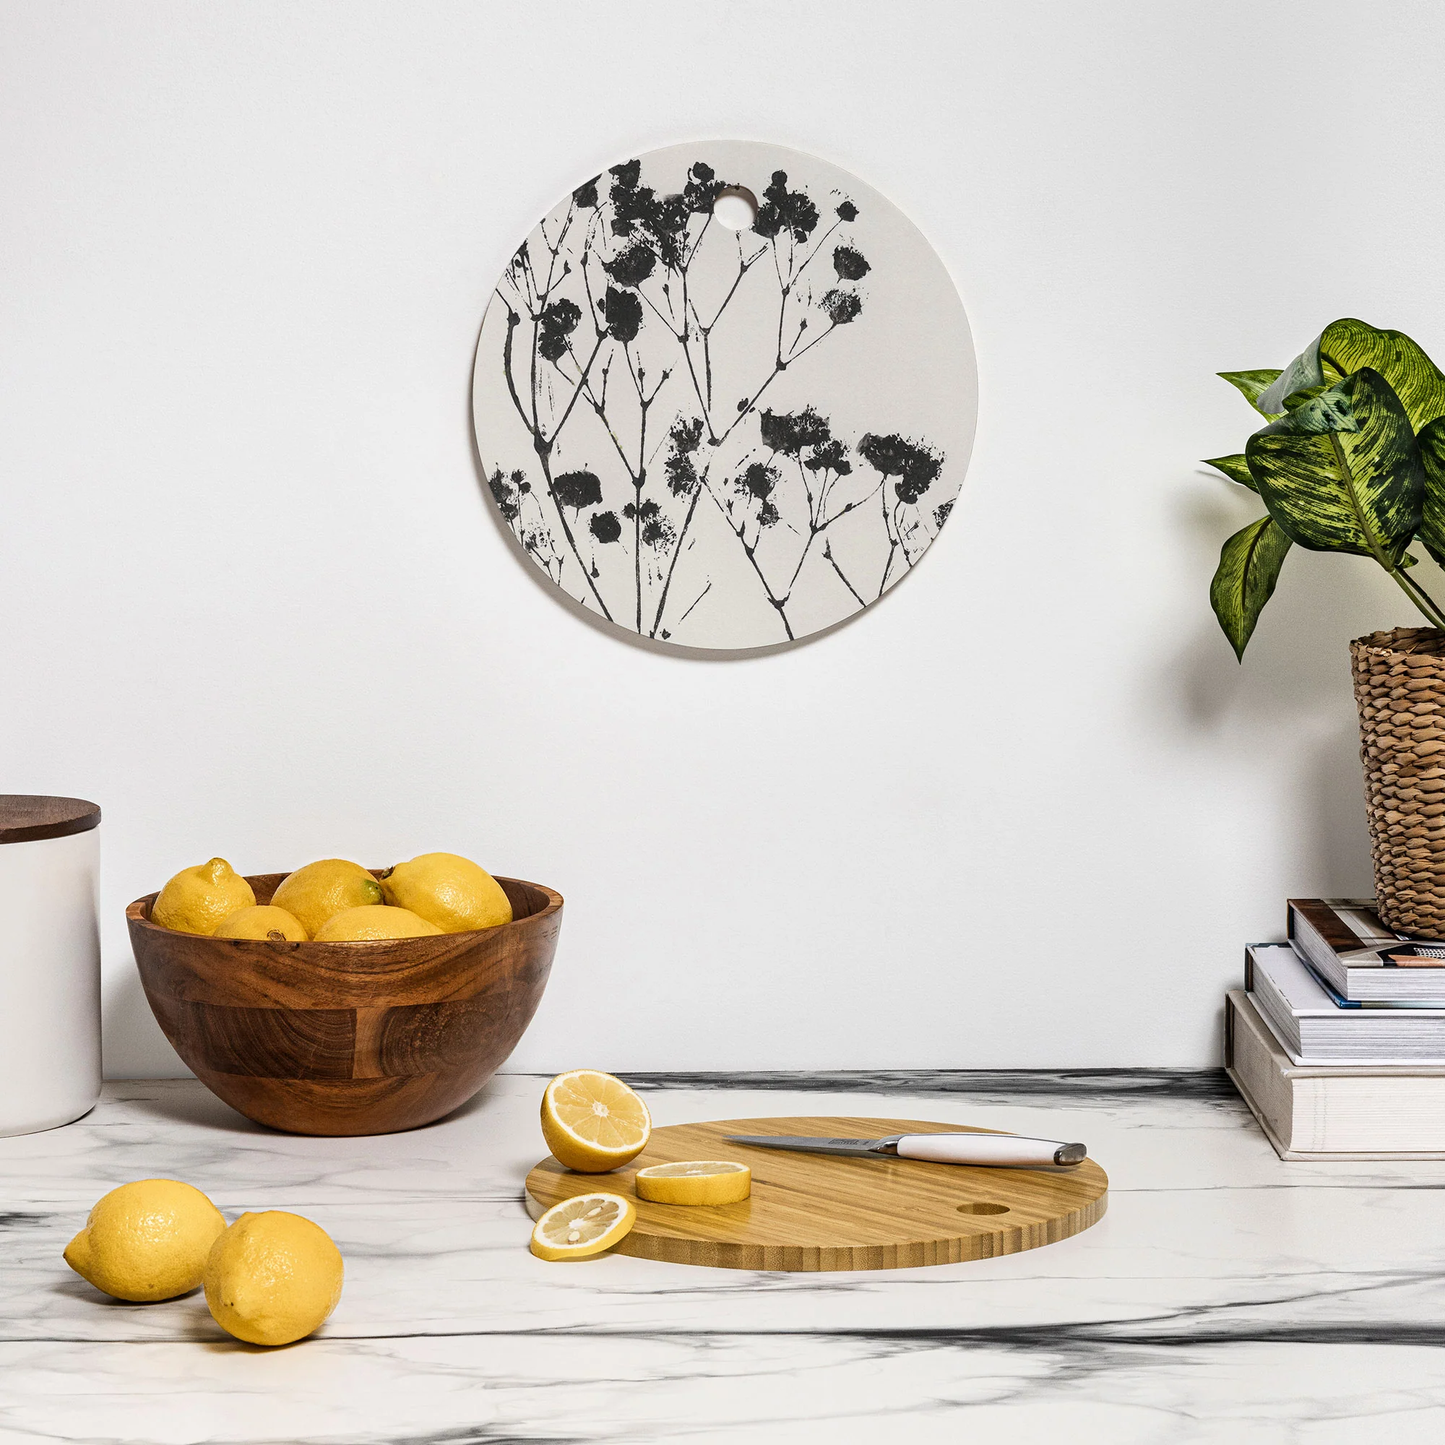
(1000, 1150)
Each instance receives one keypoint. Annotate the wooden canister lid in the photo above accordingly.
(26, 817)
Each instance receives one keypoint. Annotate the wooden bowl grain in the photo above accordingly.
(348, 1038)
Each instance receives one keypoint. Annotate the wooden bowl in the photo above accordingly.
(348, 1038)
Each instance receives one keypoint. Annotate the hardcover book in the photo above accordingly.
(1316, 1029)
(1332, 1111)
(1362, 960)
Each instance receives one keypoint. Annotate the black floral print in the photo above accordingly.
(619, 365)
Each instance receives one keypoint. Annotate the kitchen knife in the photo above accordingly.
(1004, 1151)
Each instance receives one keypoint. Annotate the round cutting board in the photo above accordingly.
(825, 1211)
(724, 395)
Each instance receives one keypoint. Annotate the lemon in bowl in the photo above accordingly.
(199, 898)
(261, 920)
(448, 890)
(321, 890)
(374, 921)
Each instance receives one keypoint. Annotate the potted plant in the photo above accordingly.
(1352, 459)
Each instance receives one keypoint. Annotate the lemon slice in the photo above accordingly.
(593, 1122)
(695, 1181)
(583, 1225)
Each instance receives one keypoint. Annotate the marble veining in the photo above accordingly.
(1226, 1295)
(1107, 1085)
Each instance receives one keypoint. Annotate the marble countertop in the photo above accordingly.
(1225, 1295)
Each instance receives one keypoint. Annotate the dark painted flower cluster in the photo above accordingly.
(605, 313)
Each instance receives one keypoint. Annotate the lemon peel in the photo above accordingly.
(582, 1226)
(147, 1240)
(694, 1181)
(593, 1122)
(272, 1278)
(448, 890)
(197, 899)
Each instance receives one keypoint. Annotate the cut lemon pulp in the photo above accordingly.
(593, 1122)
(695, 1181)
(582, 1226)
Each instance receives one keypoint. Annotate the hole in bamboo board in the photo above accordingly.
(979, 1206)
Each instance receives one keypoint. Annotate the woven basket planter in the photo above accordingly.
(1400, 690)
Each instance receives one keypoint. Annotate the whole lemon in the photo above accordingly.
(272, 1278)
(322, 890)
(146, 1241)
(377, 920)
(197, 899)
(264, 921)
(450, 891)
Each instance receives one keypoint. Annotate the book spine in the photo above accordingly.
(1332, 1110)
(1314, 916)
(1319, 935)
(1265, 1083)
(1273, 1005)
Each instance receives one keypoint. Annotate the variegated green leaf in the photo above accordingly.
(1236, 468)
(1304, 371)
(1342, 473)
(1431, 441)
(1251, 384)
(1347, 346)
(1249, 564)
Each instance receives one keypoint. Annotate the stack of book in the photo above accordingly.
(1338, 1041)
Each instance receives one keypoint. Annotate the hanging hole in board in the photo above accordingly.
(979, 1206)
(735, 207)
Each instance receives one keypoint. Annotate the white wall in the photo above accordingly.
(1024, 813)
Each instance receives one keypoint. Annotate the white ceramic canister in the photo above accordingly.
(49, 961)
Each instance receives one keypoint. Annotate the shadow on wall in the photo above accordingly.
(132, 1039)
(1292, 699)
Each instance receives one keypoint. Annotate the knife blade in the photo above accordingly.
(998, 1151)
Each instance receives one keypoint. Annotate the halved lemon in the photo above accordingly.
(583, 1225)
(695, 1181)
(593, 1122)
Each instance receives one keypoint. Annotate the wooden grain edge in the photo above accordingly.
(82, 821)
(342, 1108)
(819, 1259)
(291, 1045)
(366, 1055)
(823, 1259)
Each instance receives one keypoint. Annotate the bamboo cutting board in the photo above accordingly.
(827, 1212)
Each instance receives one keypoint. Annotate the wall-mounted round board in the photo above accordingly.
(724, 395)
